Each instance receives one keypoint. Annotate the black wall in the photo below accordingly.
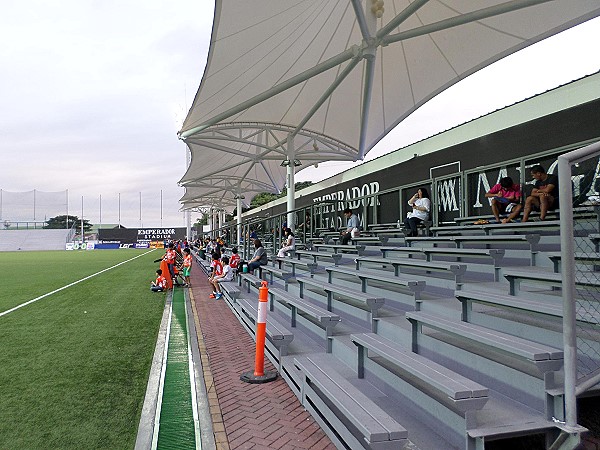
(566, 127)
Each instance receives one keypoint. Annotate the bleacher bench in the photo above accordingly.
(489, 229)
(335, 257)
(285, 275)
(415, 287)
(325, 319)
(278, 333)
(543, 357)
(457, 270)
(348, 416)
(310, 267)
(516, 276)
(467, 298)
(495, 254)
(372, 302)
(231, 290)
(463, 393)
(591, 258)
(249, 280)
(359, 249)
(531, 240)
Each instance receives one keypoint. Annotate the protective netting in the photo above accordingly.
(32, 206)
(586, 216)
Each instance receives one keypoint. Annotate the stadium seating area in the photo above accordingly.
(449, 341)
(14, 240)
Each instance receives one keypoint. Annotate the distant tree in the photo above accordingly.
(266, 197)
(262, 198)
(297, 186)
(60, 222)
(302, 184)
(202, 220)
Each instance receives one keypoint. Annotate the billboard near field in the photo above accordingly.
(140, 235)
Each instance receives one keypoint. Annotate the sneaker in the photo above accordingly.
(218, 296)
(212, 296)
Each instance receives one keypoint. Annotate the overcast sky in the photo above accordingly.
(92, 94)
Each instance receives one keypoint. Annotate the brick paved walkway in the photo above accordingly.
(246, 416)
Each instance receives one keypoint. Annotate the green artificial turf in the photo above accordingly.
(74, 365)
(176, 416)
(27, 275)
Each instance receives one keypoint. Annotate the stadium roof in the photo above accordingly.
(322, 80)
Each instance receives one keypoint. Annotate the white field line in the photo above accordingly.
(71, 284)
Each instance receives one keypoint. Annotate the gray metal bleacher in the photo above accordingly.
(434, 352)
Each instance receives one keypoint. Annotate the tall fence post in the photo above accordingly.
(568, 276)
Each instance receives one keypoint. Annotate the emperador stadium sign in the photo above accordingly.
(155, 234)
(140, 235)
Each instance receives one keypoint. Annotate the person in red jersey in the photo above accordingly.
(217, 271)
(234, 260)
(160, 284)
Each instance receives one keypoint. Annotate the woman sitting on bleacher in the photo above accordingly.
(288, 245)
(259, 258)
(421, 206)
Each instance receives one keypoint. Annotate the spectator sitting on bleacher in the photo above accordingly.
(506, 198)
(421, 206)
(288, 244)
(352, 227)
(216, 270)
(227, 275)
(544, 196)
(253, 235)
(210, 246)
(305, 226)
(259, 258)
(235, 259)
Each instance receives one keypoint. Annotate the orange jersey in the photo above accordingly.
(170, 256)
(187, 261)
(161, 282)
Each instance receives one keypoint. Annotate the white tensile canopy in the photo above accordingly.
(296, 82)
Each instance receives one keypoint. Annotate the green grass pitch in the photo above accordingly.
(74, 365)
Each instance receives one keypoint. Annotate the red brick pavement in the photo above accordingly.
(246, 416)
